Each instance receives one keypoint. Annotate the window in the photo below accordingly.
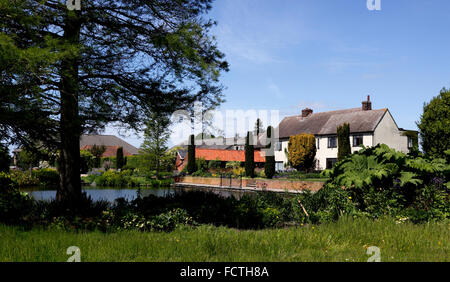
(410, 142)
(332, 142)
(278, 146)
(279, 166)
(357, 140)
(331, 162)
(318, 143)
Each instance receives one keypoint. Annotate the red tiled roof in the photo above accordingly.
(110, 151)
(227, 155)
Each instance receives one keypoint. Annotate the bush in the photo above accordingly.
(86, 161)
(15, 206)
(215, 164)
(301, 151)
(233, 164)
(201, 164)
(47, 176)
(23, 178)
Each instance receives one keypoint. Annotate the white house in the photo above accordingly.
(367, 127)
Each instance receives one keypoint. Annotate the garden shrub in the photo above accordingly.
(15, 206)
(47, 176)
(215, 164)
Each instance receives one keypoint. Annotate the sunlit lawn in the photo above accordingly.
(346, 240)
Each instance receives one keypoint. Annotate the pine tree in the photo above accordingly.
(343, 133)
(249, 156)
(269, 165)
(191, 165)
(156, 136)
(65, 72)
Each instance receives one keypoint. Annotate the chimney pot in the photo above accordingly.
(306, 112)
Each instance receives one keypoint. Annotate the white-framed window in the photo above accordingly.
(332, 142)
(318, 143)
(410, 142)
(357, 140)
(279, 166)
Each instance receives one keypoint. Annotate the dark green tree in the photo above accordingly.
(249, 156)
(343, 133)
(97, 152)
(156, 137)
(269, 165)
(119, 158)
(258, 127)
(191, 165)
(434, 125)
(4, 159)
(65, 72)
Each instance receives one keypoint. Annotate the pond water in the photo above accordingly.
(113, 193)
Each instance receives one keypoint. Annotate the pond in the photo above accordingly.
(112, 193)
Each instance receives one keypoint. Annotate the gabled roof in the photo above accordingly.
(107, 140)
(327, 122)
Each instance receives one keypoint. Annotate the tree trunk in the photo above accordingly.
(70, 126)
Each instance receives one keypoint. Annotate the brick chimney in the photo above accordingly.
(306, 112)
(367, 105)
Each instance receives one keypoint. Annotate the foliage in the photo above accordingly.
(301, 151)
(156, 137)
(58, 83)
(23, 178)
(259, 128)
(201, 164)
(215, 164)
(87, 161)
(120, 162)
(434, 125)
(249, 156)
(97, 152)
(191, 165)
(234, 164)
(382, 181)
(269, 165)
(343, 133)
(4, 159)
(15, 206)
(47, 177)
(27, 159)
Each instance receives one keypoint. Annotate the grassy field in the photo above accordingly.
(345, 240)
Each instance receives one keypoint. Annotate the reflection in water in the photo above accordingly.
(110, 194)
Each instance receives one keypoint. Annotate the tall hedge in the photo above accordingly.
(191, 166)
(119, 158)
(249, 157)
(269, 165)
(343, 133)
(302, 151)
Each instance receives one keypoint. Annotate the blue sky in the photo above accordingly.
(330, 54)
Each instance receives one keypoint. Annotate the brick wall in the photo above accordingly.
(260, 183)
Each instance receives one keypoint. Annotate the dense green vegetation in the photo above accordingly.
(346, 240)
(343, 136)
(191, 165)
(383, 181)
(269, 165)
(249, 156)
(302, 151)
(434, 125)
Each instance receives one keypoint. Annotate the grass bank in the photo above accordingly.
(345, 240)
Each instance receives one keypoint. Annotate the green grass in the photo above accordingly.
(345, 240)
